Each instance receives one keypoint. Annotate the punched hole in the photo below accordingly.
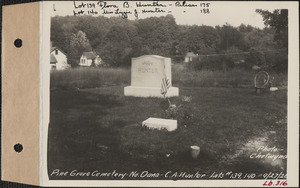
(18, 148)
(18, 43)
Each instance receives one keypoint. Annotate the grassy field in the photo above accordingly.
(182, 75)
(93, 126)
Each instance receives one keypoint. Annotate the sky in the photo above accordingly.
(220, 13)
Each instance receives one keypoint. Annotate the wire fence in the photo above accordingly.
(232, 53)
(260, 59)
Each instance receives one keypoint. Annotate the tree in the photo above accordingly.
(78, 44)
(158, 34)
(279, 21)
(245, 28)
(231, 38)
(116, 48)
(260, 39)
(58, 37)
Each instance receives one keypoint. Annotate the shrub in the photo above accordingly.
(213, 63)
(277, 62)
(235, 77)
(256, 57)
(269, 61)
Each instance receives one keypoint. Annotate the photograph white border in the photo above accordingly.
(293, 112)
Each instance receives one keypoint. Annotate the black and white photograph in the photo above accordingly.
(169, 91)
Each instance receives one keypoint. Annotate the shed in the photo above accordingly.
(189, 57)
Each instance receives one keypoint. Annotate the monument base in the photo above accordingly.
(137, 91)
(157, 123)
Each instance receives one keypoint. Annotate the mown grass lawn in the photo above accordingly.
(100, 129)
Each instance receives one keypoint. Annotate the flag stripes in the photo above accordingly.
(165, 86)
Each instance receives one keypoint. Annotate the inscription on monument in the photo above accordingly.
(147, 73)
(148, 68)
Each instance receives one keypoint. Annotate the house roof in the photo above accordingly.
(190, 54)
(52, 59)
(90, 55)
(54, 48)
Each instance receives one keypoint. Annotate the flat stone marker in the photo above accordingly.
(158, 123)
(147, 73)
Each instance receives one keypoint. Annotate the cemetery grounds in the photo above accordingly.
(93, 126)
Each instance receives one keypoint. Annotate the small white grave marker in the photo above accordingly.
(158, 123)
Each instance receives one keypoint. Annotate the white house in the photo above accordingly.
(88, 59)
(53, 62)
(58, 59)
(189, 57)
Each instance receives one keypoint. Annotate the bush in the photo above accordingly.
(213, 63)
(235, 77)
(256, 58)
(269, 61)
(277, 62)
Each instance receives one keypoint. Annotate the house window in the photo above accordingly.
(56, 52)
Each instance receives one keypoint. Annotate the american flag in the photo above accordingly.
(165, 85)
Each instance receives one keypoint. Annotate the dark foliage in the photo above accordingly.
(214, 63)
(117, 40)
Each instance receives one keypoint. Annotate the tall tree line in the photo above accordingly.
(117, 40)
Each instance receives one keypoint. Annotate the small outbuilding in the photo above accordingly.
(189, 57)
(89, 59)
